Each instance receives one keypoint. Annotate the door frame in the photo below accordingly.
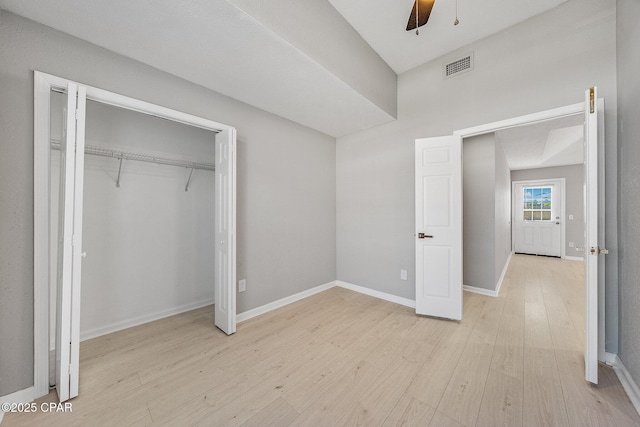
(557, 113)
(563, 201)
(43, 85)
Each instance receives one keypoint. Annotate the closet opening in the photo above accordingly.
(147, 229)
(134, 220)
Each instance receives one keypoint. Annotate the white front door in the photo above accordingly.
(70, 245)
(438, 167)
(225, 231)
(594, 168)
(538, 217)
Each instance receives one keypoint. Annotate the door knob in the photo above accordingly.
(424, 236)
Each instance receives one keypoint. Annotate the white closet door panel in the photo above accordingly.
(70, 245)
(77, 254)
(225, 231)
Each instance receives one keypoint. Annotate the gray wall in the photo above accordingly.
(574, 194)
(478, 201)
(286, 179)
(149, 243)
(486, 211)
(536, 65)
(502, 217)
(629, 207)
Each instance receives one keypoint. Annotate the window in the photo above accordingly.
(537, 204)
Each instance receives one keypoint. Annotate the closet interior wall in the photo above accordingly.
(149, 243)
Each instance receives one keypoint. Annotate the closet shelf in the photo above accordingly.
(141, 157)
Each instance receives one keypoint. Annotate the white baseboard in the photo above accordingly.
(627, 381)
(118, 326)
(489, 292)
(249, 314)
(610, 359)
(377, 294)
(573, 258)
(504, 273)
(21, 396)
(481, 291)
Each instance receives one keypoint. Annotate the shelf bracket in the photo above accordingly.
(119, 172)
(186, 187)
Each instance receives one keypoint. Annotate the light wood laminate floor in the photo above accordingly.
(341, 358)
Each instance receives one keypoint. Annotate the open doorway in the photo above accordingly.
(592, 110)
(438, 187)
(147, 228)
(522, 193)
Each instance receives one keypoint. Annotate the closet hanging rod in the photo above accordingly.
(127, 155)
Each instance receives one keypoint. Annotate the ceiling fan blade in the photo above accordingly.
(424, 10)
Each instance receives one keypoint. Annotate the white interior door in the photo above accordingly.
(225, 231)
(70, 245)
(592, 234)
(439, 226)
(538, 217)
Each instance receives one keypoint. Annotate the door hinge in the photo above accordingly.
(597, 251)
(592, 101)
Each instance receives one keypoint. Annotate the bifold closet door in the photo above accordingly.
(225, 231)
(70, 244)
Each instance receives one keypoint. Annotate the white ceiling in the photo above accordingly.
(275, 55)
(382, 23)
(217, 45)
(556, 142)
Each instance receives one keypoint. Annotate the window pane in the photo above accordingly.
(528, 215)
(537, 215)
(546, 198)
(536, 199)
(546, 215)
(528, 197)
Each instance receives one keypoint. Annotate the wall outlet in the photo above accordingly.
(571, 217)
(571, 245)
(242, 285)
(403, 274)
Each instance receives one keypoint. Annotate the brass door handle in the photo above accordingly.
(424, 236)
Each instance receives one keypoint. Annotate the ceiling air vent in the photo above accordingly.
(458, 66)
